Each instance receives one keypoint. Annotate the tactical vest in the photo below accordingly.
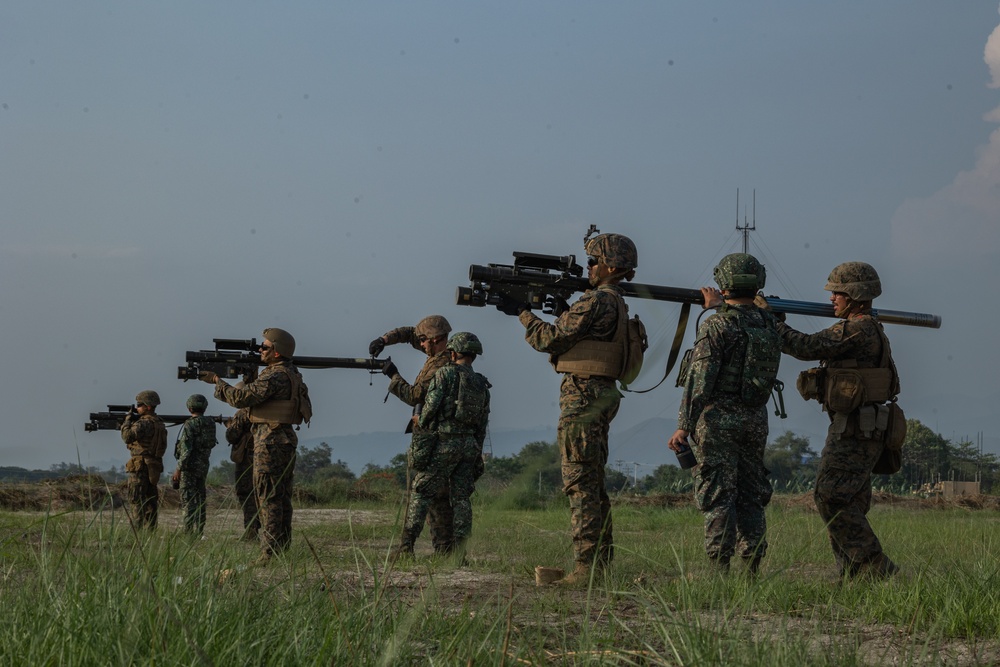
(620, 358)
(753, 374)
(470, 406)
(292, 410)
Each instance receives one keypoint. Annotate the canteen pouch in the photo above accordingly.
(155, 469)
(896, 432)
(845, 391)
(133, 464)
(810, 384)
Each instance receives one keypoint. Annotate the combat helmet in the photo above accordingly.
(284, 342)
(465, 343)
(740, 271)
(196, 403)
(616, 250)
(432, 326)
(147, 397)
(857, 280)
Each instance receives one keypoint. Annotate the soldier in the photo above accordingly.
(431, 336)
(192, 451)
(856, 378)
(239, 436)
(146, 439)
(277, 400)
(733, 367)
(448, 453)
(588, 396)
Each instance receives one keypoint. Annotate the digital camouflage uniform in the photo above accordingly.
(586, 407)
(192, 451)
(843, 482)
(729, 436)
(239, 436)
(274, 452)
(440, 516)
(146, 439)
(448, 463)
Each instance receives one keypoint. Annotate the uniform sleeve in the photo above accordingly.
(270, 384)
(138, 430)
(437, 390)
(706, 361)
(832, 343)
(238, 427)
(411, 394)
(407, 335)
(569, 328)
(484, 421)
(182, 449)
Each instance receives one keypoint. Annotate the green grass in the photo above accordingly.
(82, 588)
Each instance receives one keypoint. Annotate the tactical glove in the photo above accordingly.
(509, 306)
(555, 305)
(376, 346)
(762, 303)
(208, 376)
(390, 370)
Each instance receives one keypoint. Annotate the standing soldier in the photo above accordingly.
(856, 379)
(584, 348)
(278, 400)
(734, 365)
(448, 455)
(192, 451)
(239, 436)
(431, 336)
(146, 439)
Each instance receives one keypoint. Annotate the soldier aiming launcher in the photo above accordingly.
(113, 419)
(234, 358)
(534, 279)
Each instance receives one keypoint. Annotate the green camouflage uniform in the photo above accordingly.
(729, 436)
(440, 514)
(843, 483)
(450, 462)
(274, 452)
(239, 436)
(586, 407)
(194, 445)
(146, 439)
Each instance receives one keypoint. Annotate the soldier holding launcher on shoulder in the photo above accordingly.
(583, 347)
(277, 400)
(146, 438)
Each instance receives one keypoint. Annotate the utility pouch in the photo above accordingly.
(133, 464)
(422, 448)
(896, 432)
(881, 418)
(866, 420)
(155, 469)
(845, 390)
(810, 384)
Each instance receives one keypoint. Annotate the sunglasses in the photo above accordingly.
(266, 347)
(593, 261)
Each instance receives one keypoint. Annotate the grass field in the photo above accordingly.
(82, 588)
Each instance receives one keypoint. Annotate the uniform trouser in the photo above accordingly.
(844, 493)
(274, 468)
(246, 494)
(732, 486)
(193, 499)
(144, 497)
(450, 474)
(586, 410)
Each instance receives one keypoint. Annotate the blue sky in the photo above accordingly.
(175, 172)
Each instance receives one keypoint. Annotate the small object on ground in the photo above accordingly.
(547, 575)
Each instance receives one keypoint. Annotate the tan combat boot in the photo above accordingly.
(580, 576)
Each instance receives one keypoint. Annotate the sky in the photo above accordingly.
(177, 172)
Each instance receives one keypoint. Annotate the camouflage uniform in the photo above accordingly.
(729, 436)
(239, 436)
(456, 450)
(586, 407)
(274, 452)
(440, 515)
(194, 445)
(843, 483)
(146, 439)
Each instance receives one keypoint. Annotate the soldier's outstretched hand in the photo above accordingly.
(376, 346)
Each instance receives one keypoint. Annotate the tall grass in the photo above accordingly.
(84, 588)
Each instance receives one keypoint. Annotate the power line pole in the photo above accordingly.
(746, 228)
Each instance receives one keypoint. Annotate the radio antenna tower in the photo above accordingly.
(747, 227)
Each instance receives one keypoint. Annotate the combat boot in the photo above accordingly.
(720, 564)
(404, 551)
(879, 567)
(580, 576)
(753, 565)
